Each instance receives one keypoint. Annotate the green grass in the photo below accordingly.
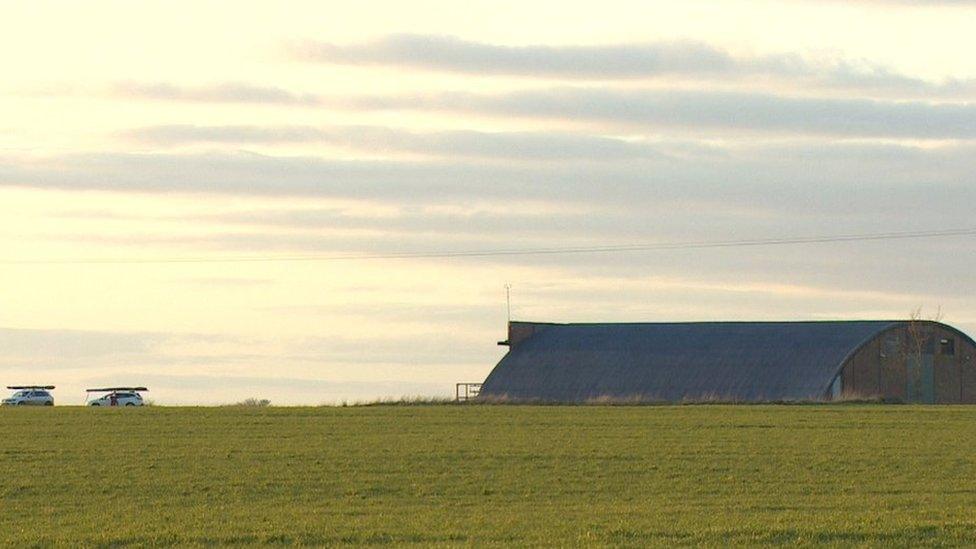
(489, 475)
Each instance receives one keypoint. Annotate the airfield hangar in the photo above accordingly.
(900, 361)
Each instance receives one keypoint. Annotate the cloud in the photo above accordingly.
(735, 192)
(226, 282)
(229, 92)
(255, 174)
(69, 345)
(893, 265)
(467, 144)
(938, 3)
(836, 174)
(454, 54)
(176, 134)
(706, 110)
(65, 349)
(53, 348)
(420, 220)
(616, 109)
(622, 61)
(754, 212)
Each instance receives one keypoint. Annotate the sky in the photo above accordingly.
(203, 197)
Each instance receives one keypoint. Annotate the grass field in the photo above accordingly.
(489, 475)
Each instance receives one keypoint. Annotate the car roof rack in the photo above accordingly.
(113, 389)
(22, 387)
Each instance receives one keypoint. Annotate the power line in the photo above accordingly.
(658, 246)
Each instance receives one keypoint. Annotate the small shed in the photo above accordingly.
(897, 360)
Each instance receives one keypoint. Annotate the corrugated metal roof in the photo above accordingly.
(738, 361)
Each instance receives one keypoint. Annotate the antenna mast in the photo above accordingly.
(508, 300)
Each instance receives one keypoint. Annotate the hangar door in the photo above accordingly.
(921, 379)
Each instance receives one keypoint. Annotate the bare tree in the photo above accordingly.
(919, 338)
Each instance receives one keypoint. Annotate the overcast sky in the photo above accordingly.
(137, 132)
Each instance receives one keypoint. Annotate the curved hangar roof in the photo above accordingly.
(744, 361)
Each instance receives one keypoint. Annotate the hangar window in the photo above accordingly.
(948, 346)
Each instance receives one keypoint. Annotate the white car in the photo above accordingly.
(121, 398)
(30, 396)
(118, 398)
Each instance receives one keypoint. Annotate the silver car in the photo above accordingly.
(30, 396)
(118, 396)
